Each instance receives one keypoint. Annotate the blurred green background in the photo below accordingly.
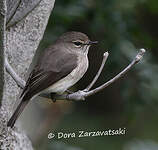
(121, 27)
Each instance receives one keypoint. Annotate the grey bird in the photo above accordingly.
(59, 67)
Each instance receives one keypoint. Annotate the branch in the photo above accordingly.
(105, 56)
(135, 61)
(81, 94)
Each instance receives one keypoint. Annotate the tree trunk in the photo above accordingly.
(18, 43)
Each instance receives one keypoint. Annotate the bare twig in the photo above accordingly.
(81, 94)
(136, 60)
(105, 56)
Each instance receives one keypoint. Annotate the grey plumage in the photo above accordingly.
(59, 67)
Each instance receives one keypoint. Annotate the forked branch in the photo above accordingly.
(81, 94)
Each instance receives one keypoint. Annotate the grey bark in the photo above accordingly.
(18, 9)
(2, 44)
(18, 43)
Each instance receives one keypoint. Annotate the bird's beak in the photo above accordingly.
(92, 42)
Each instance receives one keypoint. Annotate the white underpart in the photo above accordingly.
(65, 83)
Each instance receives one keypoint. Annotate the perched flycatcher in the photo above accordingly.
(57, 69)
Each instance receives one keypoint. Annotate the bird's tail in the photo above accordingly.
(17, 113)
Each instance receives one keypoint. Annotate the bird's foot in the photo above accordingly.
(52, 95)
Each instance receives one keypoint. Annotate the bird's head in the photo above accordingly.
(76, 42)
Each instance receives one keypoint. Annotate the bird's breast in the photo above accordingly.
(68, 81)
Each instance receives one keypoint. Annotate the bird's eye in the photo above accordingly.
(77, 43)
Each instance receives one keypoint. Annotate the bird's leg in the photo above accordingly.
(55, 96)
(52, 96)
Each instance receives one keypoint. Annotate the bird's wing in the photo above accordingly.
(41, 78)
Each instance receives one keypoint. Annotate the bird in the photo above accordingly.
(59, 67)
